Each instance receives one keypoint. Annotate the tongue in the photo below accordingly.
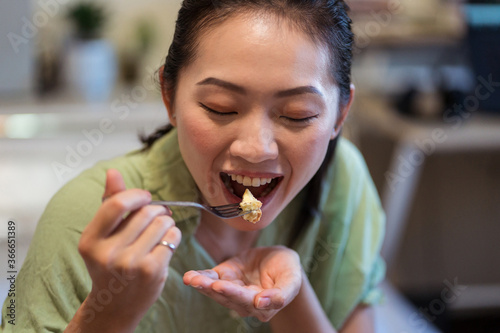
(239, 189)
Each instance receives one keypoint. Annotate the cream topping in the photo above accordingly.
(251, 205)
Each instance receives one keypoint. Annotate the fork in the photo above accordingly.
(224, 211)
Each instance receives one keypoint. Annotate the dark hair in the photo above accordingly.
(325, 21)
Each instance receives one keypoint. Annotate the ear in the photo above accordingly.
(343, 114)
(167, 98)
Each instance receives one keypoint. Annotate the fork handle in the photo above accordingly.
(177, 203)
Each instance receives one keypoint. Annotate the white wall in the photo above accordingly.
(39, 26)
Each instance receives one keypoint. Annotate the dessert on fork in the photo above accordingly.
(250, 204)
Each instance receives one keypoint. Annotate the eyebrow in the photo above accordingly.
(242, 91)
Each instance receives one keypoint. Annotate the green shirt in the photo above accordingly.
(339, 250)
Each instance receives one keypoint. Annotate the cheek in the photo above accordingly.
(200, 145)
(197, 138)
(308, 156)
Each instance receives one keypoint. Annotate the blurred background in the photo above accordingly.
(426, 118)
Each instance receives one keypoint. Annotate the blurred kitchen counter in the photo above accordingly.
(45, 143)
(439, 187)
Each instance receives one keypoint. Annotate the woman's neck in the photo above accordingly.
(222, 241)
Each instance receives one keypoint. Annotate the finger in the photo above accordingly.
(163, 253)
(111, 212)
(209, 273)
(234, 297)
(136, 223)
(228, 271)
(270, 299)
(230, 295)
(114, 183)
(239, 294)
(169, 211)
(289, 283)
(239, 298)
(283, 292)
(188, 276)
(200, 279)
(152, 235)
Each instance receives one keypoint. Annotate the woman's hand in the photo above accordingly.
(120, 249)
(259, 282)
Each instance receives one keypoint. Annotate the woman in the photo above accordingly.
(256, 92)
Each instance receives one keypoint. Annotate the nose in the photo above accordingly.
(255, 141)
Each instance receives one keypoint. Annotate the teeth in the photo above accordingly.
(256, 182)
(248, 181)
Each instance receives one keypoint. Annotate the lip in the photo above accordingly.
(231, 198)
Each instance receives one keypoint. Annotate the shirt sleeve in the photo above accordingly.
(53, 280)
(349, 266)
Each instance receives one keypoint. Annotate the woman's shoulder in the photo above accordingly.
(136, 167)
(348, 158)
(81, 196)
(140, 169)
(130, 166)
(350, 190)
(348, 173)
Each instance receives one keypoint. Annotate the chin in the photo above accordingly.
(270, 212)
(240, 224)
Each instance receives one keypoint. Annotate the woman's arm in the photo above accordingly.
(362, 319)
(127, 266)
(88, 319)
(305, 314)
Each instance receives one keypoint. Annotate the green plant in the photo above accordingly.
(145, 35)
(88, 19)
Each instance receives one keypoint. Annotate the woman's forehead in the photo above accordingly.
(253, 33)
(254, 29)
(259, 22)
(260, 45)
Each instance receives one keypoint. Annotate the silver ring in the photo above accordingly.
(171, 246)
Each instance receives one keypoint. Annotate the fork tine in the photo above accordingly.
(231, 214)
(233, 205)
(228, 211)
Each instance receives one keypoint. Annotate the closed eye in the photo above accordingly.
(303, 121)
(215, 112)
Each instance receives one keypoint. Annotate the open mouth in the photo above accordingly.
(260, 187)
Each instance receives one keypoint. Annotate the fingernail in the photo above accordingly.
(263, 302)
(220, 291)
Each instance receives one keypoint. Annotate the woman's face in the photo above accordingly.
(255, 109)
